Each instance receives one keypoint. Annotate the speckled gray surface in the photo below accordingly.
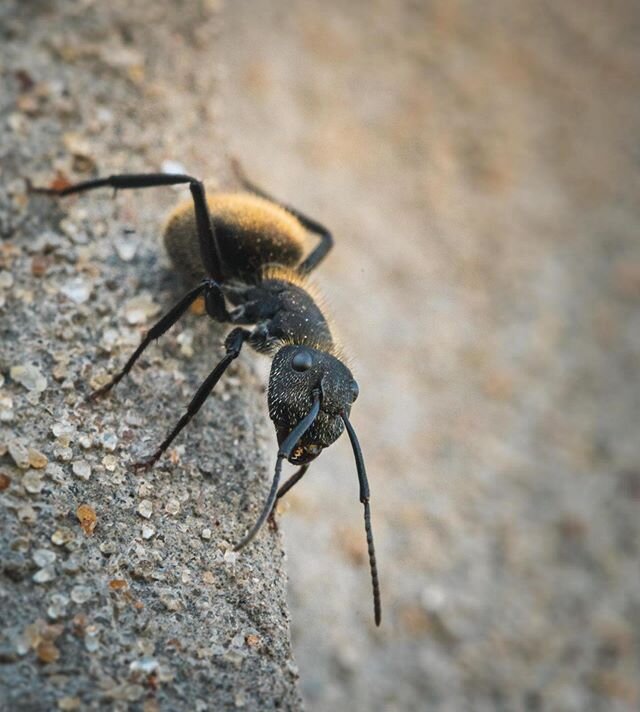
(116, 589)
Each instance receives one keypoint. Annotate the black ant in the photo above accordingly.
(246, 249)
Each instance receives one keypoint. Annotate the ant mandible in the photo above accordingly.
(246, 249)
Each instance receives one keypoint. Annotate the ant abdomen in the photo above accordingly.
(252, 232)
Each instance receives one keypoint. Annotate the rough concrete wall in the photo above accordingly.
(116, 589)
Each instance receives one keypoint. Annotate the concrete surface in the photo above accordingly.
(117, 590)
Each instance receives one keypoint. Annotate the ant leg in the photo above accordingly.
(326, 238)
(296, 477)
(209, 247)
(156, 331)
(233, 344)
(215, 303)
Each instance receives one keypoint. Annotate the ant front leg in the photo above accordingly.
(296, 477)
(233, 344)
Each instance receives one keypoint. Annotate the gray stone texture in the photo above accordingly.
(118, 590)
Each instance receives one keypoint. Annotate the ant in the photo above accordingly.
(245, 250)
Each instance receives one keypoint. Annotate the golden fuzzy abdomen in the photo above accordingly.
(252, 232)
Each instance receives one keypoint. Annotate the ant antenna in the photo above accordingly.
(364, 498)
(283, 452)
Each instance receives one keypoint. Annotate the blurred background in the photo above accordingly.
(479, 166)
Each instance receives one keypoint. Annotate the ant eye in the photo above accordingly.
(302, 361)
(355, 390)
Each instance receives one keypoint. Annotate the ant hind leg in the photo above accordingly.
(326, 238)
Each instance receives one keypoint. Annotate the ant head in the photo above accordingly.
(298, 373)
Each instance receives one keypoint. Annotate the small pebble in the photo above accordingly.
(44, 557)
(172, 167)
(48, 573)
(29, 376)
(141, 308)
(33, 481)
(62, 536)
(27, 514)
(64, 454)
(171, 603)
(125, 248)
(77, 289)
(253, 640)
(37, 459)
(109, 441)
(172, 506)
(110, 462)
(39, 265)
(87, 518)
(148, 531)
(81, 469)
(62, 429)
(240, 700)
(47, 652)
(145, 508)
(6, 279)
(55, 472)
(206, 534)
(145, 666)
(185, 339)
(230, 556)
(6, 408)
(91, 639)
(19, 453)
(58, 606)
(69, 704)
(81, 594)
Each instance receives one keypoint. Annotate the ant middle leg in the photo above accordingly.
(326, 238)
(209, 247)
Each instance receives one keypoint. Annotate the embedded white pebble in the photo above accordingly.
(76, 289)
(81, 469)
(43, 557)
(29, 376)
(44, 575)
(81, 594)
